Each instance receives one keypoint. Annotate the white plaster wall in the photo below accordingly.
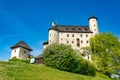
(19, 53)
(93, 26)
(53, 36)
(15, 52)
(63, 39)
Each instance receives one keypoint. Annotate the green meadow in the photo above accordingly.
(23, 71)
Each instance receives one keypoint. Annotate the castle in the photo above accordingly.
(76, 36)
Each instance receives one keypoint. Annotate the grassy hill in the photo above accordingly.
(22, 71)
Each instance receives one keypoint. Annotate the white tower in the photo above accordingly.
(20, 50)
(53, 34)
(93, 25)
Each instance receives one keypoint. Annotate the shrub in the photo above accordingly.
(18, 60)
(63, 57)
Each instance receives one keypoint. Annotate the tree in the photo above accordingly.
(63, 57)
(105, 50)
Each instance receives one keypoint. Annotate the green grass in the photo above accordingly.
(22, 71)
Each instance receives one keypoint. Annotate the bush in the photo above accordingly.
(63, 57)
(18, 60)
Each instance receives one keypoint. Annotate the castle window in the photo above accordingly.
(15, 51)
(81, 35)
(81, 41)
(86, 41)
(24, 51)
(78, 42)
(67, 35)
(85, 29)
(94, 29)
(86, 35)
(72, 35)
(67, 41)
(94, 24)
(66, 28)
(79, 28)
(72, 41)
(61, 38)
(73, 28)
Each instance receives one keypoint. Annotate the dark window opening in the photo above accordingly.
(81, 35)
(72, 41)
(67, 35)
(73, 28)
(67, 41)
(72, 35)
(79, 28)
(86, 35)
(66, 28)
(78, 42)
(81, 41)
(86, 41)
(86, 29)
(24, 51)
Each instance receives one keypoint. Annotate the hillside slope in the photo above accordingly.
(22, 71)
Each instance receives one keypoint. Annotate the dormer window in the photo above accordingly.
(79, 28)
(73, 28)
(86, 29)
(66, 28)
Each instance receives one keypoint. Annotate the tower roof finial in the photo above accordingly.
(53, 24)
(92, 17)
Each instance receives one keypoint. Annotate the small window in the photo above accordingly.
(72, 35)
(85, 29)
(73, 28)
(94, 24)
(61, 38)
(86, 35)
(86, 41)
(66, 28)
(15, 51)
(94, 29)
(81, 35)
(81, 41)
(78, 42)
(67, 35)
(50, 34)
(79, 28)
(24, 51)
(72, 41)
(67, 41)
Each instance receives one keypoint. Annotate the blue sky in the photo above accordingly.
(29, 20)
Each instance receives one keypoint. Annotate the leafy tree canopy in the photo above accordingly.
(105, 50)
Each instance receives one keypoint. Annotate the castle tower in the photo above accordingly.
(20, 50)
(53, 34)
(93, 25)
